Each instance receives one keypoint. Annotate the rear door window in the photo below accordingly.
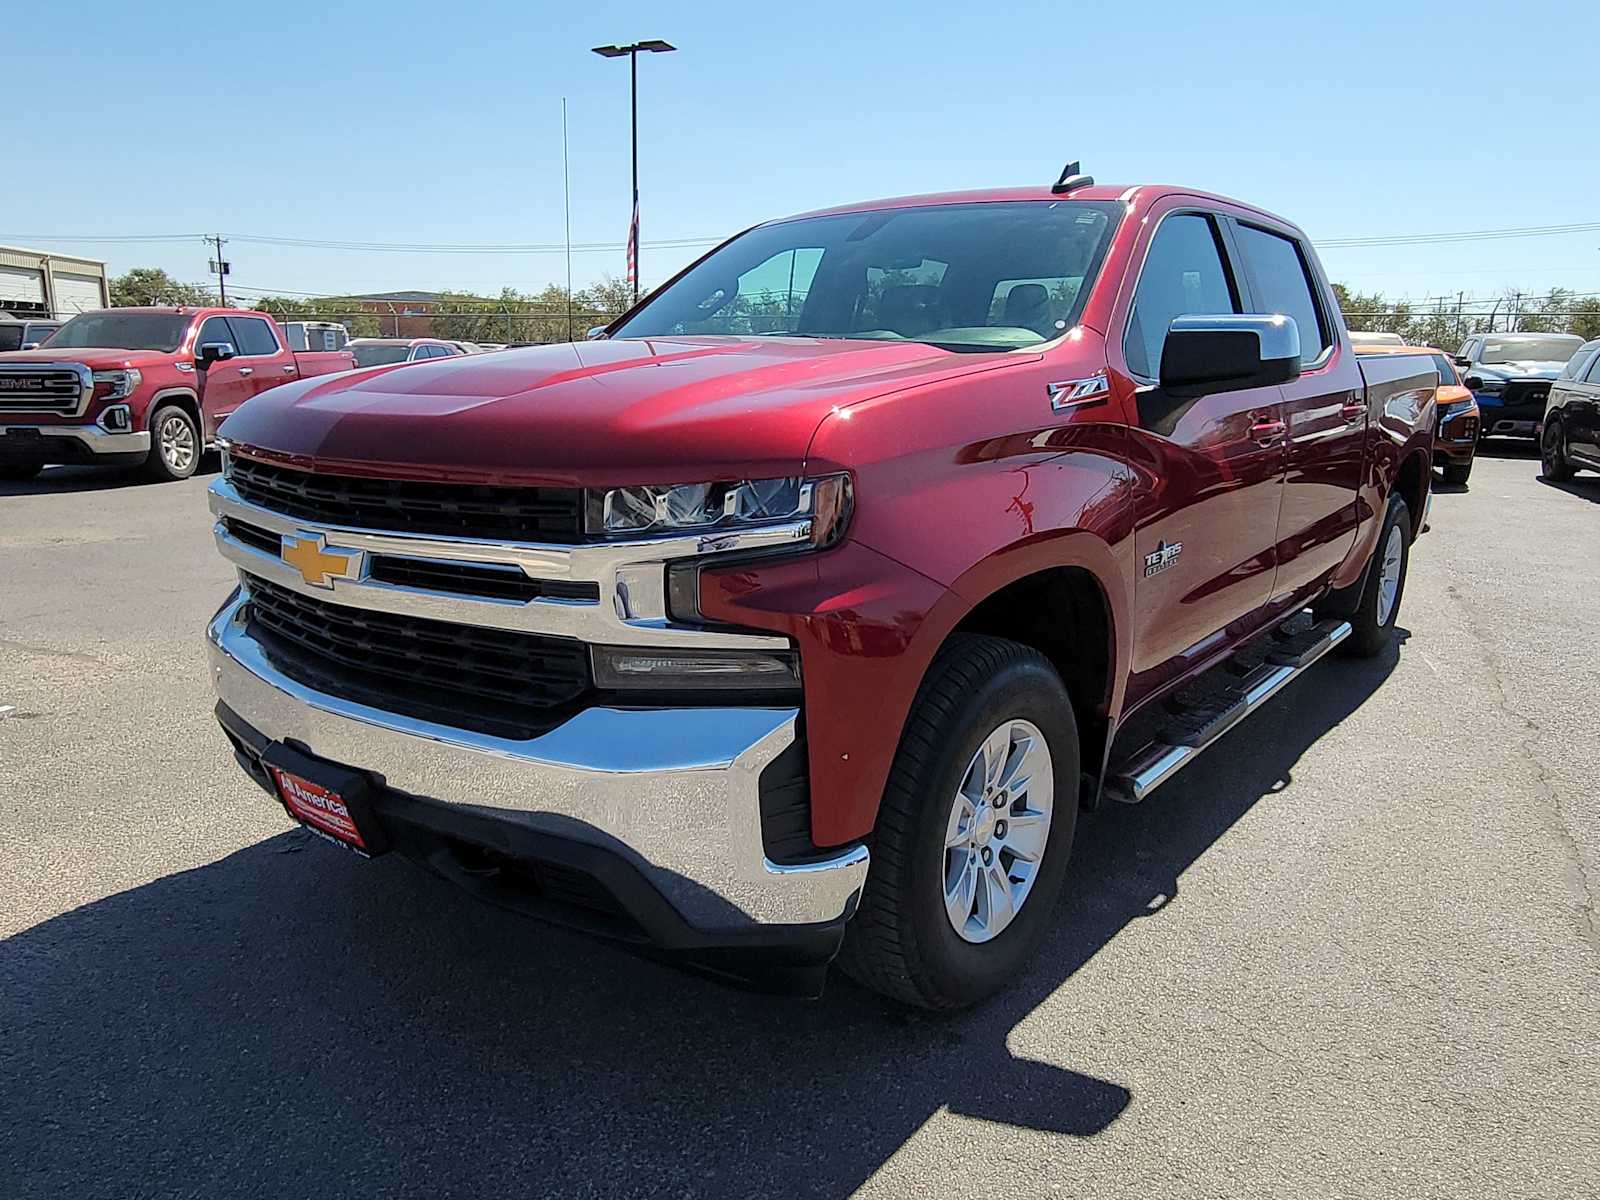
(254, 336)
(1183, 275)
(1282, 280)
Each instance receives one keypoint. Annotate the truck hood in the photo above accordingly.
(91, 356)
(1517, 369)
(656, 410)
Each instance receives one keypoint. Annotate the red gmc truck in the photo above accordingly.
(799, 613)
(140, 386)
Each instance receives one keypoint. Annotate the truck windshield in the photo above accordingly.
(981, 276)
(1526, 349)
(378, 354)
(122, 331)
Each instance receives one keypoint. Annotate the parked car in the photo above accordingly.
(1455, 429)
(1510, 376)
(794, 619)
(25, 333)
(1362, 338)
(314, 335)
(147, 386)
(384, 352)
(1569, 438)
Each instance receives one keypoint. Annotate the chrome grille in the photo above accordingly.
(34, 388)
(539, 514)
(496, 681)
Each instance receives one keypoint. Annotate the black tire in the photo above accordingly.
(1369, 635)
(161, 466)
(20, 472)
(1457, 474)
(1553, 452)
(901, 943)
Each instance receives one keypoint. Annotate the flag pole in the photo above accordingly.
(566, 192)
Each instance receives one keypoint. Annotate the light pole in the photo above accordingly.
(653, 46)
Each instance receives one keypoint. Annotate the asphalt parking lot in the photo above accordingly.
(1354, 950)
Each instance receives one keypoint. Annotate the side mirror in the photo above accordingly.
(1229, 352)
(596, 333)
(1473, 383)
(1461, 360)
(29, 346)
(213, 352)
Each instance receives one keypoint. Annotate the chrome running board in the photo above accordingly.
(1133, 779)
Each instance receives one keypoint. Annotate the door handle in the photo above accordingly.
(1353, 411)
(288, 370)
(247, 370)
(1265, 430)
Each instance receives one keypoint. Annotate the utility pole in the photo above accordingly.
(219, 268)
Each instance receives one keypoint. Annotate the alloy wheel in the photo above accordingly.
(1550, 449)
(177, 444)
(997, 830)
(1389, 573)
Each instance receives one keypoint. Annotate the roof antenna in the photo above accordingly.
(1071, 179)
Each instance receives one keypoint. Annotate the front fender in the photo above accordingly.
(938, 529)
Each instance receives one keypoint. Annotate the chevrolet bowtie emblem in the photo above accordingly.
(318, 565)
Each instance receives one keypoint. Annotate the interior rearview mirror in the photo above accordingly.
(213, 352)
(1228, 352)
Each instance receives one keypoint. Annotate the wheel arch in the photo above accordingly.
(185, 398)
(1411, 482)
(1067, 595)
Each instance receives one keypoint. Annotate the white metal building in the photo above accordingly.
(44, 283)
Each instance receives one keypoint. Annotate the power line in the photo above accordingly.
(1402, 239)
(1475, 235)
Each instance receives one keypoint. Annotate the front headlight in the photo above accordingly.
(116, 385)
(692, 507)
(1492, 387)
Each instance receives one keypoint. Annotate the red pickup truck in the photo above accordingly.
(128, 386)
(800, 613)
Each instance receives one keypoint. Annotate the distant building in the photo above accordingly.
(42, 283)
(401, 314)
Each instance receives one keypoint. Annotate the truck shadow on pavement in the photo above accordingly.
(56, 480)
(290, 1021)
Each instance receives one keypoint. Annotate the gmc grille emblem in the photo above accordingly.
(14, 384)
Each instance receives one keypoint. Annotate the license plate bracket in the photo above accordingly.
(332, 801)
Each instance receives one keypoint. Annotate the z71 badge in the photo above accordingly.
(1162, 557)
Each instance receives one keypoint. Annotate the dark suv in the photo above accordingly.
(1510, 375)
(25, 333)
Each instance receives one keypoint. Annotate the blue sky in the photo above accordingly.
(429, 123)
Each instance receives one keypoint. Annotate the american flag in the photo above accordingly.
(633, 246)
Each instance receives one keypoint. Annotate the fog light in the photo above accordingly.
(633, 669)
(117, 419)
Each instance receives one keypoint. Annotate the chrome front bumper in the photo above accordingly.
(674, 791)
(93, 439)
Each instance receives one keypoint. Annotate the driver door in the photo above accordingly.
(1208, 470)
(226, 385)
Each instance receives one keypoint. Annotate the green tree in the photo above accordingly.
(1583, 318)
(152, 285)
